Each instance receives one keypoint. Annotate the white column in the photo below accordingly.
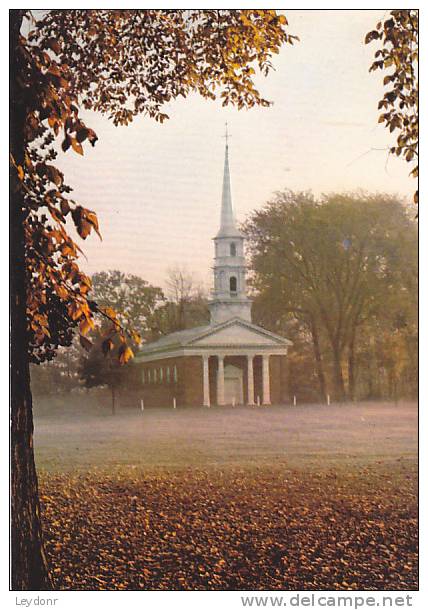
(206, 380)
(220, 380)
(266, 380)
(250, 381)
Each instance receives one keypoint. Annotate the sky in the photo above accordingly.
(157, 188)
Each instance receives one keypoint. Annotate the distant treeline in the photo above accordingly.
(337, 275)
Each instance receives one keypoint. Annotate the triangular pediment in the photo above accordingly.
(238, 332)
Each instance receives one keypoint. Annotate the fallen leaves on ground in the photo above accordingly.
(238, 529)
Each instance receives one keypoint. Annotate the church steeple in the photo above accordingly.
(229, 296)
(227, 218)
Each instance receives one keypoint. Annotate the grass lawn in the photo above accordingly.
(285, 498)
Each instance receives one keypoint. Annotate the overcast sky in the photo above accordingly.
(157, 188)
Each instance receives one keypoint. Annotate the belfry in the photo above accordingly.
(231, 361)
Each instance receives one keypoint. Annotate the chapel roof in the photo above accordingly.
(178, 338)
(201, 336)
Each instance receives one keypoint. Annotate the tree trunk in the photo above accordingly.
(29, 565)
(113, 400)
(28, 561)
(339, 383)
(318, 360)
(351, 369)
(375, 382)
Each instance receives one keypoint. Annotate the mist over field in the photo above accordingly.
(280, 497)
(80, 433)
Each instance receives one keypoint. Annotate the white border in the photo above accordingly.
(194, 600)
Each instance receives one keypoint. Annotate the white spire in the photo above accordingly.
(227, 218)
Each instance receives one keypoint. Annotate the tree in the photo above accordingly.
(332, 264)
(399, 35)
(135, 300)
(99, 368)
(288, 317)
(121, 63)
(59, 375)
(137, 303)
(187, 304)
(386, 354)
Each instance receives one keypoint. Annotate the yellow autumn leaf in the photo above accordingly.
(125, 354)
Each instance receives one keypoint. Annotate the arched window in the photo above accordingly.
(233, 285)
(232, 249)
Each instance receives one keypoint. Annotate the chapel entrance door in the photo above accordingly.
(233, 385)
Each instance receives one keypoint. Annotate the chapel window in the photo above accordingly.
(161, 374)
(155, 375)
(175, 374)
(233, 285)
(232, 249)
(168, 376)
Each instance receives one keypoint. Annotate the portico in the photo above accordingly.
(233, 393)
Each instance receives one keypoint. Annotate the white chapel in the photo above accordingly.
(230, 361)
